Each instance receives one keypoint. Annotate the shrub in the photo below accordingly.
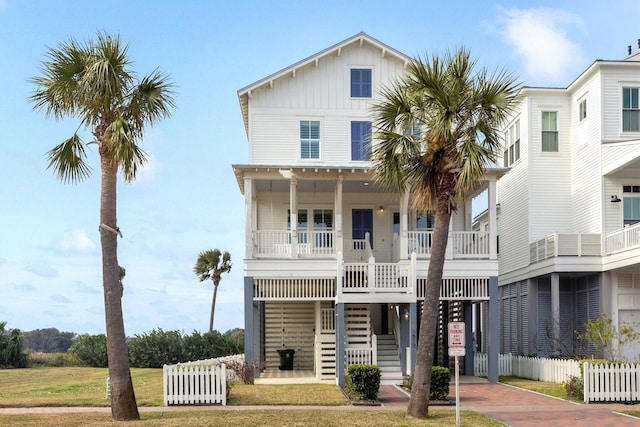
(440, 379)
(364, 381)
(12, 353)
(574, 387)
(91, 350)
(53, 360)
(156, 348)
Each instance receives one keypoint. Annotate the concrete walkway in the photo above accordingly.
(522, 408)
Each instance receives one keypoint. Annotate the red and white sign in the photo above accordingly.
(456, 334)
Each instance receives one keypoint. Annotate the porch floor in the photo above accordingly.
(296, 376)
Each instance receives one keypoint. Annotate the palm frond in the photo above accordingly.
(151, 99)
(68, 160)
(121, 140)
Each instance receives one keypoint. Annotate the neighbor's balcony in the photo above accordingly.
(621, 240)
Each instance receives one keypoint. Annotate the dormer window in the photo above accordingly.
(361, 83)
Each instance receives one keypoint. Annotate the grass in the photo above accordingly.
(542, 387)
(72, 386)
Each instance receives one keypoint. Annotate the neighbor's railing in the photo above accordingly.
(627, 238)
(565, 244)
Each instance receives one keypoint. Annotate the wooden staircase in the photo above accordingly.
(389, 360)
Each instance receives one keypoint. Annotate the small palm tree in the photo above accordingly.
(458, 111)
(92, 81)
(209, 266)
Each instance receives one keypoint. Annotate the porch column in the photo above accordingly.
(413, 336)
(340, 368)
(249, 218)
(338, 207)
(555, 311)
(251, 328)
(404, 226)
(493, 331)
(293, 208)
(468, 334)
(493, 221)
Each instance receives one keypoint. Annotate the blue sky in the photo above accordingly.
(186, 199)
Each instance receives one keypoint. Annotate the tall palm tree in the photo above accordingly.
(459, 111)
(209, 266)
(92, 81)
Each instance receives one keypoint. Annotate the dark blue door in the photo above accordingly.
(361, 223)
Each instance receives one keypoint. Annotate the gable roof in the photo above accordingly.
(245, 93)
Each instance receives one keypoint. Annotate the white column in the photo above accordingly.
(249, 217)
(338, 214)
(493, 219)
(404, 225)
(293, 208)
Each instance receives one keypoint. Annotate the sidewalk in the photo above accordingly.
(522, 408)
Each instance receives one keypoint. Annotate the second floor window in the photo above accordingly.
(309, 139)
(361, 83)
(511, 144)
(631, 204)
(583, 109)
(630, 110)
(549, 131)
(360, 140)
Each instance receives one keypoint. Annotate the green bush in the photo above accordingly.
(12, 353)
(440, 379)
(364, 381)
(156, 348)
(53, 360)
(91, 350)
(574, 387)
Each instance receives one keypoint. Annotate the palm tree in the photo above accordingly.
(459, 111)
(209, 266)
(92, 81)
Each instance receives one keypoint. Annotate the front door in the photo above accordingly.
(362, 223)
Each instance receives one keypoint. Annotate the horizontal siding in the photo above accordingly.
(613, 79)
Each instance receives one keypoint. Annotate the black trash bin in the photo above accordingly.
(286, 359)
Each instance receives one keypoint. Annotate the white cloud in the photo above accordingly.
(541, 41)
(42, 269)
(78, 241)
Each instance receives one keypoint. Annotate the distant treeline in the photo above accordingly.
(147, 350)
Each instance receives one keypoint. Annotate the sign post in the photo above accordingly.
(457, 349)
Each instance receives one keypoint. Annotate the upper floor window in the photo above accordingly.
(549, 131)
(630, 204)
(414, 130)
(630, 110)
(425, 220)
(309, 139)
(360, 140)
(583, 109)
(511, 152)
(361, 83)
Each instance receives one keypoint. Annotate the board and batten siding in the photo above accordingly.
(316, 93)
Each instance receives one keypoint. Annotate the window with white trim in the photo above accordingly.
(511, 152)
(360, 140)
(630, 204)
(630, 109)
(361, 83)
(309, 139)
(549, 131)
(583, 109)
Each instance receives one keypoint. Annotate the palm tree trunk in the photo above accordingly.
(419, 401)
(123, 400)
(213, 306)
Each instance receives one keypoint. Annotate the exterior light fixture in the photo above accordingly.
(381, 209)
(405, 314)
(615, 199)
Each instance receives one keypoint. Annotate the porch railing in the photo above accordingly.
(627, 238)
(460, 244)
(362, 354)
(565, 244)
(377, 277)
(277, 243)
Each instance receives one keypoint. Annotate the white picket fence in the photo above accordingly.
(533, 368)
(611, 382)
(197, 383)
(602, 382)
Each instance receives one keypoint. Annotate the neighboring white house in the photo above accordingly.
(335, 267)
(569, 244)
